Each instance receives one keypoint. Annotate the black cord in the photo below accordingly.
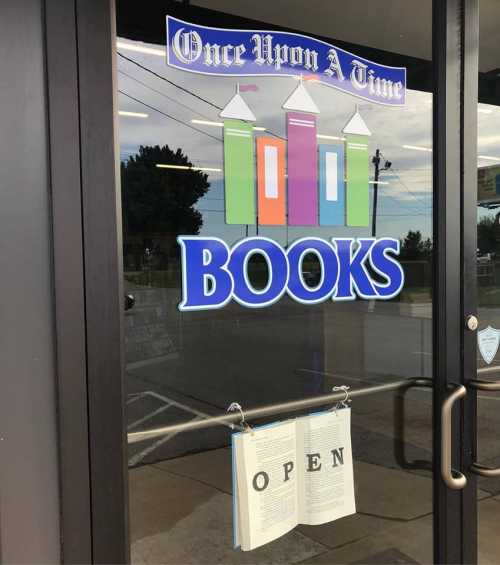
(169, 116)
(144, 68)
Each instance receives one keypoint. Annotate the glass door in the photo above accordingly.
(322, 147)
(488, 285)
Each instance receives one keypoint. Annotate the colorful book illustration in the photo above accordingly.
(331, 185)
(324, 184)
(239, 170)
(302, 158)
(357, 162)
(271, 181)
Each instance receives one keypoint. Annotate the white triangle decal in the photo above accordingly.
(356, 126)
(300, 101)
(237, 109)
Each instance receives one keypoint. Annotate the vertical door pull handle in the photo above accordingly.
(453, 479)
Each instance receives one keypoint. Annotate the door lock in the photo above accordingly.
(472, 323)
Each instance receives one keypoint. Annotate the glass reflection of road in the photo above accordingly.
(198, 363)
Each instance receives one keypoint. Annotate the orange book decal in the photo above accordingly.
(271, 181)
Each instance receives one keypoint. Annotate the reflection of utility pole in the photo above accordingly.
(376, 162)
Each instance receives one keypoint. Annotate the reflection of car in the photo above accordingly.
(129, 301)
(485, 258)
(310, 278)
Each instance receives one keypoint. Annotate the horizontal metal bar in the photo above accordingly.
(484, 471)
(486, 370)
(226, 419)
(484, 385)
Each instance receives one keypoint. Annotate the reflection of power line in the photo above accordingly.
(422, 203)
(405, 186)
(383, 215)
(183, 88)
(190, 92)
(168, 115)
(401, 204)
(196, 160)
(165, 95)
(404, 215)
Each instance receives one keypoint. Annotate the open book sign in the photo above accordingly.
(289, 473)
(313, 463)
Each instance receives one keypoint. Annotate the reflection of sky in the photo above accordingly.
(405, 203)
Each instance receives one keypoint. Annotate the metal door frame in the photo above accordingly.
(88, 288)
(468, 129)
(455, 58)
(86, 215)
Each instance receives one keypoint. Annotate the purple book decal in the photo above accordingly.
(302, 169)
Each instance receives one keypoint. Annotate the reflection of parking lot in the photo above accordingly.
(198, 363)
(182, 367)
(151, 409)
(149, 406)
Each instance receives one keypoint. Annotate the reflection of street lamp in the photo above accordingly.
(387, 165)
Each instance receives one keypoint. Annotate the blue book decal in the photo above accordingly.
(331, 185)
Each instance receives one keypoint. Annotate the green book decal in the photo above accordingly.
(239, 172)
(357, 195)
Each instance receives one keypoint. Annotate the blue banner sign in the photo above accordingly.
(232, 52)
(213, 274)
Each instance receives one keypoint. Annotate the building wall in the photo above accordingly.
(29, 499)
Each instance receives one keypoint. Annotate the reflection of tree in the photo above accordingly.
(161, 200)
(158, 203)
(488, 235)
(415, 256)
(414, 247)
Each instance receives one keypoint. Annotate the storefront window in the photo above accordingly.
(222, 156)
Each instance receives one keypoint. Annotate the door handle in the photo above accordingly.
(488, 386)
(453, 479)
(399, 429)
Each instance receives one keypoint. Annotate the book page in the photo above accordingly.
(324, 453)
(266, 480)
(235, 440)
